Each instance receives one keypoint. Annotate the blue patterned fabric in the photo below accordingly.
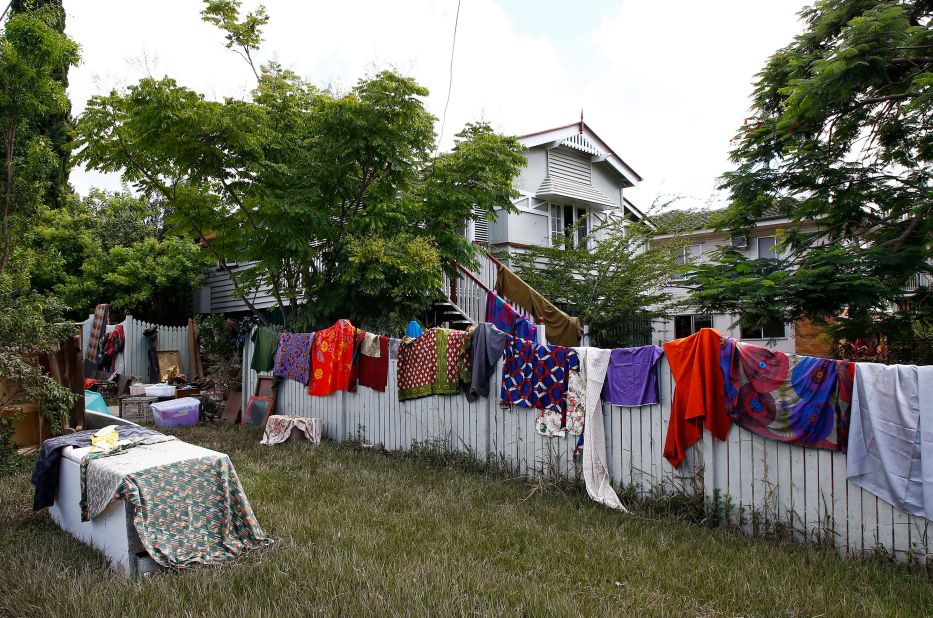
(536, 375)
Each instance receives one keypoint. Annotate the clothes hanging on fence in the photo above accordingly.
(593, 365)
(152, 353)
(370, 345)
(433, 364)
(394, 345)
(536, 376)
(800, 400)
(561, 328)
(112, 345)
(504, 317)
(293, 357)
(374, 371)
(698, 396)
(414, 330)
(891, 437)
(98, 330)
(632, 377)
(332, 359)
(486, 345)
(576, 403)
(265, 342)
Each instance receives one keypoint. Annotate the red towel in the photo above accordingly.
(374, 372)
(699, 396)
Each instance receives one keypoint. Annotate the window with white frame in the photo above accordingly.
(564, 218)
(686, 325)
(772, 329)
(557, 221)
(766, 245)
(686, 255)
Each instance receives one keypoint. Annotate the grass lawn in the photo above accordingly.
(366, 533)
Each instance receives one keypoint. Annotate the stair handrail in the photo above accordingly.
(475, 279)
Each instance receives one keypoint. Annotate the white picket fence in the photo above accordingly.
(134, 360)
(753, 481)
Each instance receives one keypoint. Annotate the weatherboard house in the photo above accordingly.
(572, 178)
(762, 241)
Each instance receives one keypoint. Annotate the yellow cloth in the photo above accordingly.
(106, 438)
(560, 328)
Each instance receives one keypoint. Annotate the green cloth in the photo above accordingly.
(265, 343)
(188, 506)
(560, 328)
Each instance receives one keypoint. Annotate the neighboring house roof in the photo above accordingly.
(579, 136)
(700, 220)
(635, 210)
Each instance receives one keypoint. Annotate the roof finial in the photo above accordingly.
(581, 120)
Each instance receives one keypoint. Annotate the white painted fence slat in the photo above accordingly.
(778, 483)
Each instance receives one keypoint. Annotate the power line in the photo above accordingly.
(450, 77)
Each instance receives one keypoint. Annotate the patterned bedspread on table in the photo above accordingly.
(188, 506)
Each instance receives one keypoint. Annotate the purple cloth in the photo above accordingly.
(631, 379)
(504, 317)
(293, 358)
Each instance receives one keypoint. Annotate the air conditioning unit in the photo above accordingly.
(740, 242)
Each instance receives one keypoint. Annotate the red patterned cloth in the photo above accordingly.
(374, 372)
(98, 328)
(433, 364)
(332, 359)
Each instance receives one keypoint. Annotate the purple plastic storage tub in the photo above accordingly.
(176, 412)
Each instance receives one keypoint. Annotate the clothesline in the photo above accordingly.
(800, 400)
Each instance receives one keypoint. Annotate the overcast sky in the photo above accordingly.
(665, 84)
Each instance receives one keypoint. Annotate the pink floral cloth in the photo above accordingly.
(280, 427)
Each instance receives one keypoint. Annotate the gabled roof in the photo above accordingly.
(588, 142)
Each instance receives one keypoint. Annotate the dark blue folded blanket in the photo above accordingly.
(45, 474)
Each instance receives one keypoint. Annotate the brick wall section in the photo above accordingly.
(809, 340)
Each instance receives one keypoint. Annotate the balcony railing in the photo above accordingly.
(919, 280)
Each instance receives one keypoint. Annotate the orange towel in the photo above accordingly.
(699, 397)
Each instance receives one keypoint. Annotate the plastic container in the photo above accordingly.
(160, 390)
(137, 389)
(94, 401)
(137, 409)
(182, 412)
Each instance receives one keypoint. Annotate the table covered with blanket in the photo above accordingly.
(188, 506)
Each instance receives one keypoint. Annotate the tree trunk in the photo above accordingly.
(8, 193)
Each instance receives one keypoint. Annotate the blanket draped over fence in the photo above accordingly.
(561, 329)
(593, 365)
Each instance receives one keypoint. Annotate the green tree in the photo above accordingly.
(334, 197)
(841, 138)
(33, 55)
(113, 247)
(243, 36)
(34, 59)
(57, 128)
(615, 279)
